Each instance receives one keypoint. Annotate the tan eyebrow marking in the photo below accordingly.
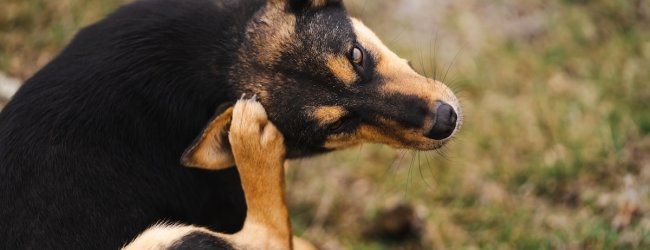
(318, 3)
(328, 114)
(321, 3)
(341, 67)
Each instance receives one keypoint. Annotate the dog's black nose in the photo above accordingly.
(444, 123)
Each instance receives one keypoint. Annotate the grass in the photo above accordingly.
(556, 139)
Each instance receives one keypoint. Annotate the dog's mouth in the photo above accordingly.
(439, 131)
(435, 136)
(425, 143)
(436, 146)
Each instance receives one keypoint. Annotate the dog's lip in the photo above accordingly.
(426, 144)
(437, 145)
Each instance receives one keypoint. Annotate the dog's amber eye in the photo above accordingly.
(357, 56)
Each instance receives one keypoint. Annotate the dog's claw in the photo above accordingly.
(254, 98)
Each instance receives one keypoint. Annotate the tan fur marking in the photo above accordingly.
(211, 152)
(367, 134)
(300, 244)
(387, 132)
(271, 33)
(319, 3)
(328, 114)
(341, 68)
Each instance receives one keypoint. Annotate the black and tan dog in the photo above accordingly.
(90, 145)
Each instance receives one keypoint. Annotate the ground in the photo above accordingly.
(554, 153)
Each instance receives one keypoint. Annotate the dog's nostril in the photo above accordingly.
(444, 123)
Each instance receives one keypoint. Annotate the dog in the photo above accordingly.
(90, 145)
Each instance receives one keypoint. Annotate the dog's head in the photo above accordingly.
(327, 82)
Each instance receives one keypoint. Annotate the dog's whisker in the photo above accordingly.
(453, 61)
(433, 55)
(421, 62)
(408, 178)
(392, 41)
(398, 158)
(426, 183)
(430, 167)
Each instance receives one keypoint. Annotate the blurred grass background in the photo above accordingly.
(554, 153)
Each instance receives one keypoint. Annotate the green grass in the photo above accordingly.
(557, 106)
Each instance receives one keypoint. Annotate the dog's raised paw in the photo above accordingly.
(251, 132)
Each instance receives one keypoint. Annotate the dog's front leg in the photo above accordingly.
(259, 152)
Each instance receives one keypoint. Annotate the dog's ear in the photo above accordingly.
(212, 149)
(306, 3)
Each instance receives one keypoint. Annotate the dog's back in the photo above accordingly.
(87, 156)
